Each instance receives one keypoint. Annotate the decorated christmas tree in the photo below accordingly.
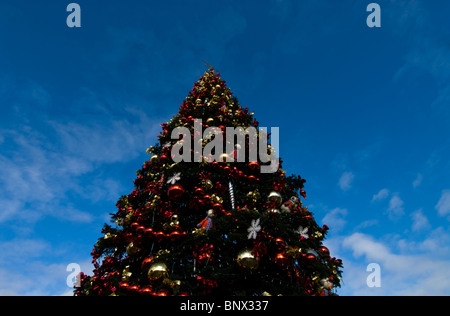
(208, 216)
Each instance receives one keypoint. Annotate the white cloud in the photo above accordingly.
(25, 270)
(381, 195)
(417, 181)
(335, 218)
(420, 221)
(39, 171)
(443, 206)
(345, 182)
(401, 274)
(395, 209)
(367, 223)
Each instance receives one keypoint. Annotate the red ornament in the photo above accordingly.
(311, 257)
(217, 207)
(280, 243)
(175, 192)
(254, 165)
(175, 235)
(159, 236)
(134, 288)
(324, 251)
(281, 259)
(134, 225)
(146, 263)
(204, 253)
(148, 232)
(163, 158)
(162, 293)
(124, 285)
(199, 191)
(303, 193)
(147, 290)
(140, 229)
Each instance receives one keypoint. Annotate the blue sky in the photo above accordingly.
(364, 116)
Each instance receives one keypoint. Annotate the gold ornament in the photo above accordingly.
(173, 225)
(126, 273)
(109, 235)
(207, 184)
(317, 234)
(294, 252)
(196, 232)
(174, 284)
(149, 150)
(272, 211)
(246, 259)
(254, 195)
(154, 159)
(157, 271)
(216, 199)
(132, 249)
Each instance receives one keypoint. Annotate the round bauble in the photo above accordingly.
(147, 262)
(146, 290)
(281, 259)
(175, 192)
(157, 271)
(163, 158)
(311, 257)
(275, 198)
(154, 159)
(217, 207)
(254, 165)
(199, 191)
(247, 260)
(323, 251)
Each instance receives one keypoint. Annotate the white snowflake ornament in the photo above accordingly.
(174, 178)
(303, 232)
(254, 229)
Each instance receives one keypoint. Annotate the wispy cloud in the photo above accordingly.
(35, 276)
(417, 181)
(443, 206)
(401, 274)
(45, 163)
(395, 209)
(381, 195)
(420, 221)
(345, 181)
(336, 218)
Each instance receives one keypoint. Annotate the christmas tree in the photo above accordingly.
(205, 219)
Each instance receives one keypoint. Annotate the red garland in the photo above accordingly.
(203, 253)
(207, 284)
(259, 249)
